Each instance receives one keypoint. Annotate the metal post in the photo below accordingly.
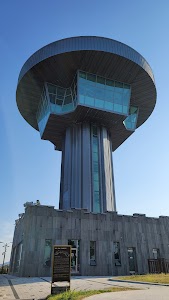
(4, 254)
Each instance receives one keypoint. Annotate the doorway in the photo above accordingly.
(74, 264)
(75, 257)
(132, 260)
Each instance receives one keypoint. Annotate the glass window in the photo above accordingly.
(96, 186)
(59, 102)
(82, 81)
(131, 121)
(126, 92)
(82, 74)
(82, 89)
(82, 99)
(52, 98)
(109, 95)
(67, 107)
(94, 133)
(89, 101)
(109, 82)
(100, 80)
(118, 98)
(68, 92)
(95, 138)
(60, 93)
(133, 110)
(98, 93)
(117, 257)
(156, 253)
(119, 84)
(108, 105)
(51, 88)
(95, 171)
(99, 103)
(91, 77)
(125, 109)
(95, 157)
(126, 86)
(95, 142)
(56, 108)
(95, 166)
(126, 99)
(118, 108)
(68, 99)
(90, 91)
(104, 91)
(47, 253)
(96, 203)
(92, 253)
(119, 87)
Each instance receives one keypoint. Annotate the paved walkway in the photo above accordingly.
(12, 288)
(153, 293)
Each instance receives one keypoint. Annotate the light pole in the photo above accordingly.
(4, 253)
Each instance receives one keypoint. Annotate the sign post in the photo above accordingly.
(61, 268)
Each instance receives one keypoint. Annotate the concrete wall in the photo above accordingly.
(43, 222)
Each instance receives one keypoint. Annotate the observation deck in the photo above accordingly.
(86, 79)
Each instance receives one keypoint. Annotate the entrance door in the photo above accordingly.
(74, 260)
(132, 260)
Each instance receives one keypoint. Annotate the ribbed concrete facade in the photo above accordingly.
(77, 174)
(41, 223)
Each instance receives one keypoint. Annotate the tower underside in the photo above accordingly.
(87, 179)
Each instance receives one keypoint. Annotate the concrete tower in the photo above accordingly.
(86, 95)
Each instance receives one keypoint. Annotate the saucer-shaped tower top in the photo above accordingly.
(86, 79)
(86, 95)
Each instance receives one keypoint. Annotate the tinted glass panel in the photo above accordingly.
(52, 98)
(91, 77)
(68, 99)
(131, 121)
(89, 100)
(82, 74)
(108, 105)
(99, 103)
(110, 82)
(102, 91)
(52, 88)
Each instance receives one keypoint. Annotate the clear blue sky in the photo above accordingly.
(30, 168)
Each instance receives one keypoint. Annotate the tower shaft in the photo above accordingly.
(87, 179)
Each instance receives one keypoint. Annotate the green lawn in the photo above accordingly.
(79, 295)
(154, 278)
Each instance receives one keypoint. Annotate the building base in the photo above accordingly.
(102, 244)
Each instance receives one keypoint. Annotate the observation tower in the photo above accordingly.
(86, 95)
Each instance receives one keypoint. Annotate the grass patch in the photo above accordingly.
(79, 295)
(153, 278)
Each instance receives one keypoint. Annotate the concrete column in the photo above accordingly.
(77, 180)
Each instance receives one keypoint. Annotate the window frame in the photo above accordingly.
(117, 261)
(92, 259)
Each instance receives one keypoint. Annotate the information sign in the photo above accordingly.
(61, 266)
